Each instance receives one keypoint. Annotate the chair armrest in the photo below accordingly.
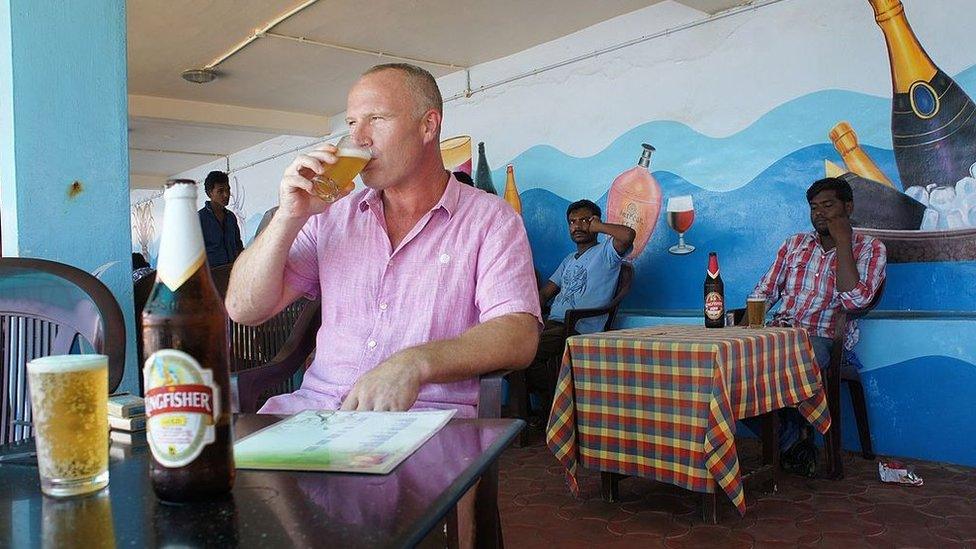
(575, 315)
(248, 384)
(490, 394)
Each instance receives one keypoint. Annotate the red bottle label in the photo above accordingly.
(714, 306)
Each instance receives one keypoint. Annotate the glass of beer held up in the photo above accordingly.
(336, 181)
(69, 400)
(756, 310)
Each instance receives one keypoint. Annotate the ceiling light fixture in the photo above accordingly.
(199, 76)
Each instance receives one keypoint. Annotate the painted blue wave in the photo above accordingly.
(920, 408)
(715, 164)
(746, 228)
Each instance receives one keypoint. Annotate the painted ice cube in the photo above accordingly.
(955, 219)
(930, 220)
(972, 217)
(966, 187)
(918, 193)
(942, 198)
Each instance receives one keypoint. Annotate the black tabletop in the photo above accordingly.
(266, 509)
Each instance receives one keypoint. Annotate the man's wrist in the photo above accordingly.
(417, 363)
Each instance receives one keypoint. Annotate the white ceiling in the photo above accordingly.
(275, 85)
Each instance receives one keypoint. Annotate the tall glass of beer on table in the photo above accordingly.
(756, 310)
(69, 401)
(336, 181)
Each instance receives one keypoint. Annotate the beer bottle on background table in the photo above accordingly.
(714, 294)
(186, 368)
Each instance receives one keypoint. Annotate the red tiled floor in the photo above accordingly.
(538, 510)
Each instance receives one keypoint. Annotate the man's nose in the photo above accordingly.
(361, 136)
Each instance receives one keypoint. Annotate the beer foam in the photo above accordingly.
(354, 153)
(67, 363)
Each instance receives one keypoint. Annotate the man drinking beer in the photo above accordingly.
(425, 283)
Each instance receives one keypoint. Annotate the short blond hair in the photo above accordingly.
(422, 86)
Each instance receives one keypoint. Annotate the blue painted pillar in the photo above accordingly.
(64, 166)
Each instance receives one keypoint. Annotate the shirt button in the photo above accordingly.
(371, 344)
(383, 306)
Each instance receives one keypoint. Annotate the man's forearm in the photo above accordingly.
(507, 342)
(257, 279)
(622, 235)
(847, 275)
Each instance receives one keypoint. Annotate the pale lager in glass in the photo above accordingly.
(69, 400)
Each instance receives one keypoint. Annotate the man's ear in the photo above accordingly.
(849, 208)
(430, 125)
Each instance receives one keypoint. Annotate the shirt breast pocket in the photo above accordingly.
(445, 294)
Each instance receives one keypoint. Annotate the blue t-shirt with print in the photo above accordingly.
(586, 282)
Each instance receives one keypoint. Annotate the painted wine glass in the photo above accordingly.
(681, 214)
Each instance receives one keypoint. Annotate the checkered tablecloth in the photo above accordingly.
(661, 402)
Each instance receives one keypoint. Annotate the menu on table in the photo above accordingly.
(351, 442)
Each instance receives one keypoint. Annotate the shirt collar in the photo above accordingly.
(448, 202)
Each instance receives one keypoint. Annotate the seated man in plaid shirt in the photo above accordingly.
(815, 275)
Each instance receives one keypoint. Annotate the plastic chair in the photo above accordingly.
(49, 308)
(518, 387)
(265, 359)
(832, 381)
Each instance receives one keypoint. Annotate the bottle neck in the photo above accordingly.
(645, 160)
(712, 267)
(909, 62)
(845, 143)
(181, 250)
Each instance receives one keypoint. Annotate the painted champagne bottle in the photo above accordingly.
(635, 200)
(482, 178)
(857, 160)
(933, 121)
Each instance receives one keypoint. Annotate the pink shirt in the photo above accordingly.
(466, 261)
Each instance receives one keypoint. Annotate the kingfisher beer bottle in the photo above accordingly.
(714, 295)
(186, 368)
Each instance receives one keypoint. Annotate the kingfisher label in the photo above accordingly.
(714, 306)
(182, 404)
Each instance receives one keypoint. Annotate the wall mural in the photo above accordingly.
(742, 195)
(910, 160)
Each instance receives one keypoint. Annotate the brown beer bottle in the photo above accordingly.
(186, 368)
(714, 294)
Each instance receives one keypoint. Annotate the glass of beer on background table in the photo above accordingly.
(756, 310)
(69, 401)
(336, 182)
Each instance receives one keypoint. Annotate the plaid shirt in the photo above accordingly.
(804, 276)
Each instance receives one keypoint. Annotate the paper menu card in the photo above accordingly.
(351, 442)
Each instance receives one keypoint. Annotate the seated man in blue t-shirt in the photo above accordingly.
(586, 279)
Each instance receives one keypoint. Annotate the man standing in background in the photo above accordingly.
(221, 234)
